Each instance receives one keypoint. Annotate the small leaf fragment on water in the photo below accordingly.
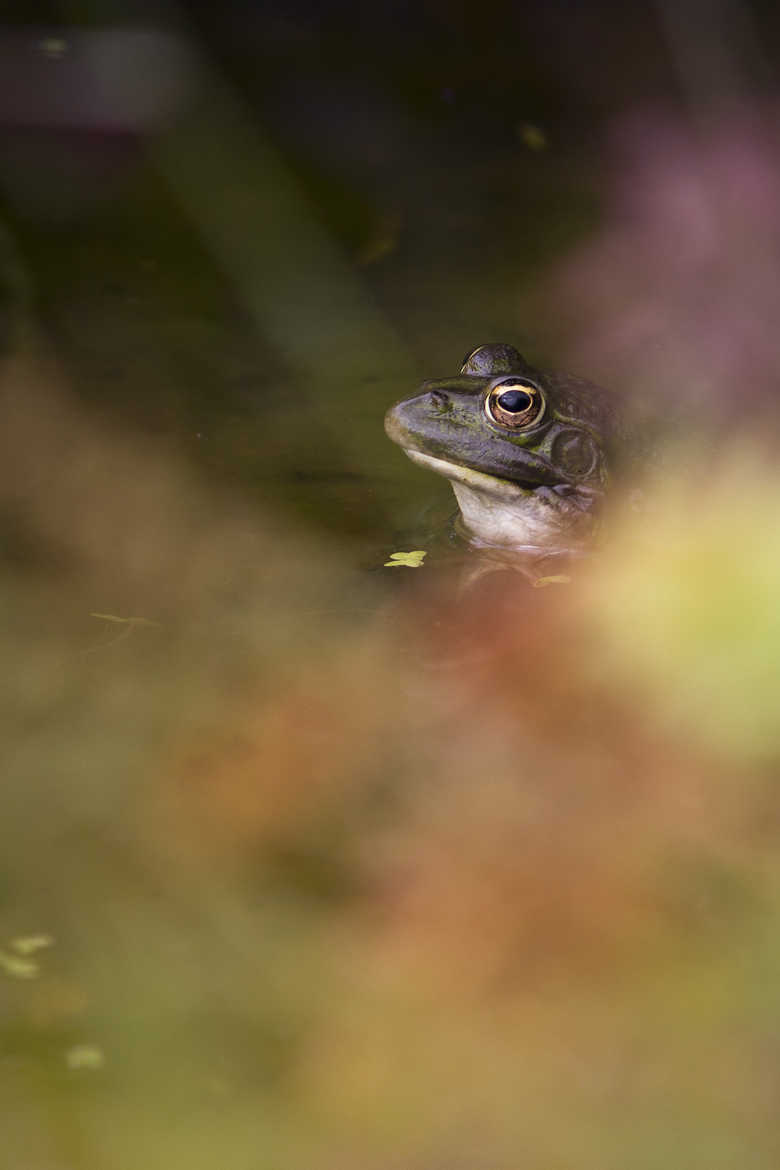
(132, 621)
(28, 944)
(411, 560)
(559, 579)
(17, 967)
(53, 47)
(383, 239)
(532, 136)
(85, 1056)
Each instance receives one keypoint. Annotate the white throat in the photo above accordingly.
(502, 514)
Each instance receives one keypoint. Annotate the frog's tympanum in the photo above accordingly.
(527, 453)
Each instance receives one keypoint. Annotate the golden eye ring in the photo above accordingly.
(514, 403)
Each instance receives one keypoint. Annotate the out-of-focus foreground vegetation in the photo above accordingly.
(303, 864)
(456, 884)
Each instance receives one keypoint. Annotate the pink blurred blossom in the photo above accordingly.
(678, 294)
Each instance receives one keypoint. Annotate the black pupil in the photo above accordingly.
(514, 401)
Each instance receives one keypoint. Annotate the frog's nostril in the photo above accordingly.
(439, 400)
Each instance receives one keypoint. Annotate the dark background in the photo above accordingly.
(245, 229)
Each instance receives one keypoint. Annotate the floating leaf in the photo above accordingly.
(411, 560)
(131, 621)
(17, 967)
(53, 47)
(532, 136)
(559, 579)
(383, 239)
(85, 1056)
(28, 944)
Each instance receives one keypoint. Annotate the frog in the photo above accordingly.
(530, 455)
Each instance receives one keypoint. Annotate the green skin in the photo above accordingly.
(537, 488)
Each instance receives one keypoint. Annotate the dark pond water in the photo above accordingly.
(284, 251)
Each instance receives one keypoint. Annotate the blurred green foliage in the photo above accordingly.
(362, 889)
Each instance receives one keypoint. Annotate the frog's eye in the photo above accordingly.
(514, 403)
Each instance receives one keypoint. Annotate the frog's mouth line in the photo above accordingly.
(504, 489)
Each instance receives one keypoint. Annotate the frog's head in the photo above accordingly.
(526, 452)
